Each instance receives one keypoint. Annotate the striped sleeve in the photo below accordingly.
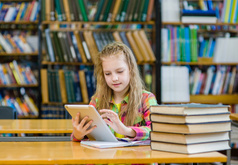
(143, 129)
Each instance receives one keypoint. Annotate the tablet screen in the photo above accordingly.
(102, 132)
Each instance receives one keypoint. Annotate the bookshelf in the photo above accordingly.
(86, 31)
(19, 63)
(225, 27)
(212, 30)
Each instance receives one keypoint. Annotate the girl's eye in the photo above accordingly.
(120, 71)
(107, 74)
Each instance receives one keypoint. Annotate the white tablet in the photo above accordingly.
(102, 132)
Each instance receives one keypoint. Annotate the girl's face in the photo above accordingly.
(116, 73)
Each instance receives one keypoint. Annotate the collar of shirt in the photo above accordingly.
(125, 100)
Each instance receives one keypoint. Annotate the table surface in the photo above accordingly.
(75, 153)
(36, 126)
(234, 116)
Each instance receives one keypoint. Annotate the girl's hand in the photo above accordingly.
(115, 123)
(80, 129)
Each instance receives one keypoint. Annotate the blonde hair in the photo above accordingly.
(136, 85)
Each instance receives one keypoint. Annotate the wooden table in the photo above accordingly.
(36, 126)
(75, 153)
(234, 116)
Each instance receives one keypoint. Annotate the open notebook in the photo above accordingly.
(120, 143)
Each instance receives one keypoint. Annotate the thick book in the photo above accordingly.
(191, 128)
(190, 148)
(44, 87)
(198, 19)
(199, 13)
(189, 109)
(182, 119)
(188, 138)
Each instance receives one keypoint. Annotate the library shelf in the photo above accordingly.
(65, 63)
(20, 85)
(19, 22)
(197, 63)
(216, 24)
(19, 54)
(81, 63)
(96, 23)
(215, 99)
(61, 103)
(234, 116)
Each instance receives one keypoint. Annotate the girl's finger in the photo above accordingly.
(83, 121)
(91, 129)
(88, 125)
(109, 122)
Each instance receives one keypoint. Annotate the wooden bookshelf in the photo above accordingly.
(214, 99)
(65, 63)
(234, 116)
(216, 24)
(19, 86)
(96, 23)
(80, 63)
(197, 63)
(60, 103)
(19, 22)
(19, 54)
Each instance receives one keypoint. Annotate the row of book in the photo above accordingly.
(230, 11)
(102, 10)
(206, 47)
(13, 73)
(190, 128)
(175, 84)
(200, 11)
(22, 102)
(18, 43)
(203, 12)
(67, 86)
(225, 50)
(83, 46)
(19, 11)
(53, 112)
(215, 81)
(183, 44)
(179, 44)
(234, 108)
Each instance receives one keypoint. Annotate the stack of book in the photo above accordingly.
(198, 16)
(190, 128)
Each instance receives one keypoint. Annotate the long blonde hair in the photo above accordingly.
(136, 85)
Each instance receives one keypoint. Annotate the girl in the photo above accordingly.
(120, 96)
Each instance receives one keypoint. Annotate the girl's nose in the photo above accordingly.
(115, 78)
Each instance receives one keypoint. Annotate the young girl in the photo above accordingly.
(120, 96)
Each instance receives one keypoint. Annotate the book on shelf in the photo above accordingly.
(188, 119)
(199, 19)
(22, 11)
(190, 148)
(175, 84)
(83, 86)
(44, 86)
(67, 86)
(188, 138)
(189, 109)
(225, 45)
(102, 10)
(170, 11)
(83, 46)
